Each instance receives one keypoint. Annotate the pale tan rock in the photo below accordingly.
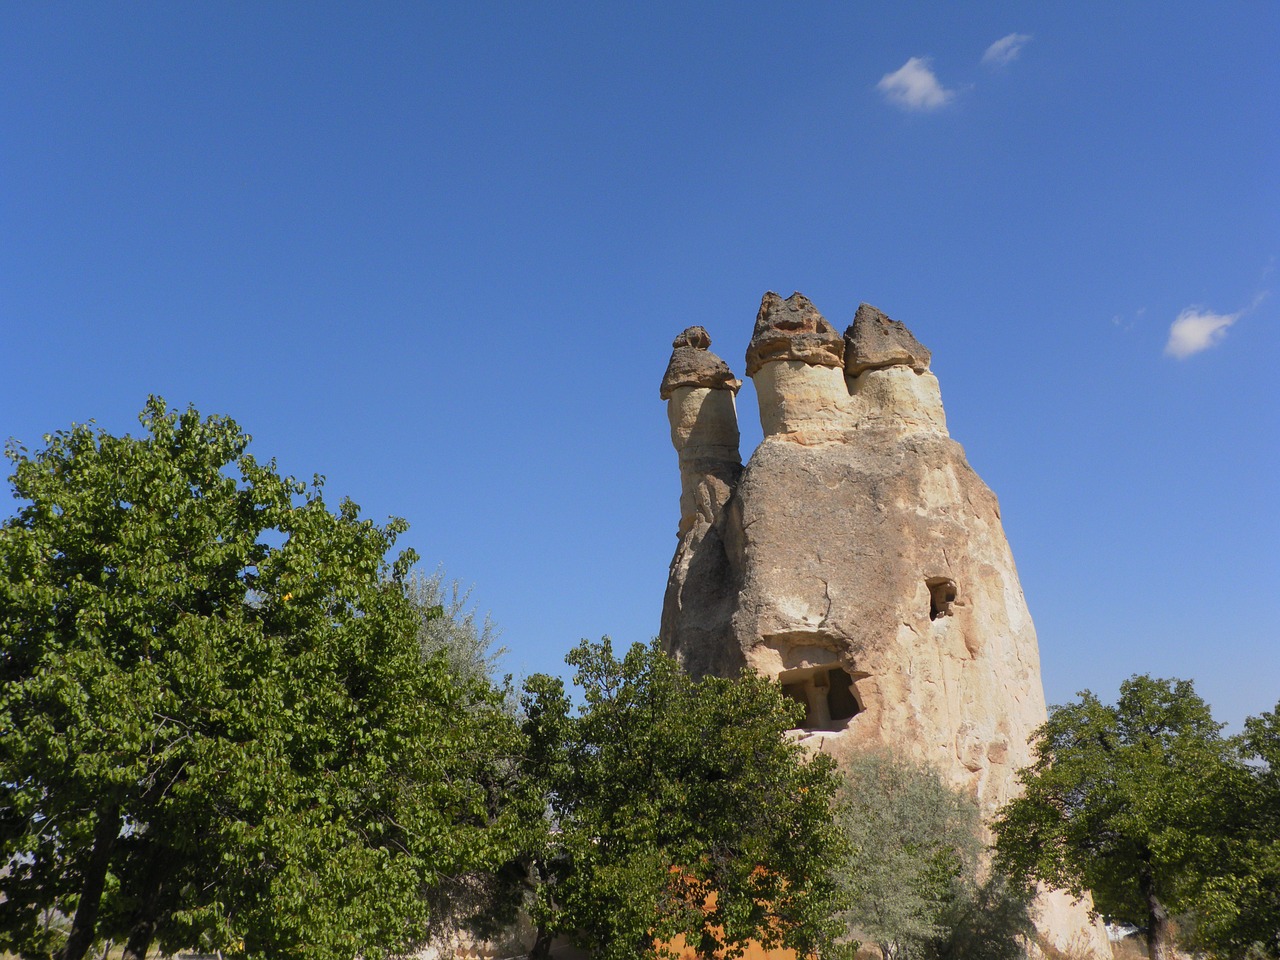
(898, 399)
(704, 431)
(1057, 918)
(858, 559)
(806, 403)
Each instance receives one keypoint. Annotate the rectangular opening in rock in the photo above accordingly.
(829, 696)
(942, 594)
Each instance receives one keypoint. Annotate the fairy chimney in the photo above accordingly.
(857, 558)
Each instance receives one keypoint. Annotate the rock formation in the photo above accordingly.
(857, 558)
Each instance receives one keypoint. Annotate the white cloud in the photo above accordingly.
(914, 87)
(1197, 329)
(1005, 49)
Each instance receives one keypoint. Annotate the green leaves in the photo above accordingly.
(202, 649)
(677, 807)
(1239, 907)
(1144, 803)
(911, 877)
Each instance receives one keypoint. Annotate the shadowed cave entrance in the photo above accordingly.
(942, 594)
(829, 696)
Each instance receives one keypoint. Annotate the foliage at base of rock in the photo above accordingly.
(912, 877)
(678, 807)
(1147, 805)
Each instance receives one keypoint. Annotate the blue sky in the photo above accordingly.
(438, 253)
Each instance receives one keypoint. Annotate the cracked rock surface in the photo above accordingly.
(793, 329)
(860, 560)
(873, 340)
(693, 365)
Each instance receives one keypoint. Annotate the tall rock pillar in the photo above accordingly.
(860, 561)
(699, 389)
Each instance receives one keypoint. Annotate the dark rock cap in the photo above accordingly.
(693, 365)
(793, 329)
(696, 337)
(873, 340)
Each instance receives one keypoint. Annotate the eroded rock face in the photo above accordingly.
(699, 389)
(873, 340)
(793, 329)
(692, 365)
(858, 559)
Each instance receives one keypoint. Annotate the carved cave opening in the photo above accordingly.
(828, 694)
(942, 594)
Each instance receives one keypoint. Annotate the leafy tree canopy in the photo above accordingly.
(678, 807)
(912, 878)
(449, 626)
(216, 726)
(1239, 910)
(1138, 802)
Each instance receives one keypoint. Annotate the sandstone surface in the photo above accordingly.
(692, 365)
(859, 560)
(700, 390)
(873, 340)
(792, 329)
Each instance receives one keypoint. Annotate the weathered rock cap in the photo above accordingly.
(873, 340)
(693, 365)
(793, 329)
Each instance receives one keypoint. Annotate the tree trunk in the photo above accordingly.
(1159, 929)
(541, 945)
(146, 917)
(85, 923)
(140, 938)
(142, 932)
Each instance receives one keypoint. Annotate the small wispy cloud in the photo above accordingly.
(913, 86)
(1196, 330)
(1127, 323)
(1005, 50)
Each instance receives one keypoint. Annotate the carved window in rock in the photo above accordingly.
(829, 696)
(942, 594)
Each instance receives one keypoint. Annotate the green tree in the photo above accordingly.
(912, 879)
(1136, 802)
(449, 626)
(1259, 905)
(485, 902)
(986, 918)
(678, 807)
(217, 729)
(1238, 912)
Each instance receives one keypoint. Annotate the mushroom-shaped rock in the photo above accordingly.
(859, 561)
(699, 389)
(693, 365)
(793, 329)
(873, 340)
